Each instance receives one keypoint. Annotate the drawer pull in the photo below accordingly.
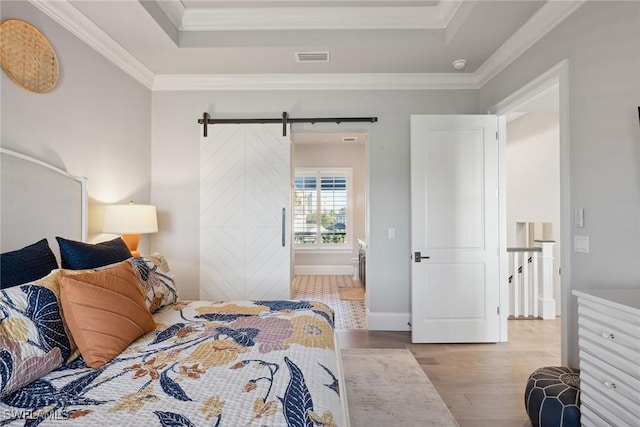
(610, 385)
(607, 335)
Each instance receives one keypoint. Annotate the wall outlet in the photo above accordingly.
(581, 244)
(392, 233)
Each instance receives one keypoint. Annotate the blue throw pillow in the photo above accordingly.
(80, 256)
(25, 265)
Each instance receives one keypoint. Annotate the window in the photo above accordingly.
(322, 208)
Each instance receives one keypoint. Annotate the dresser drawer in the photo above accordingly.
(589, 418)
(610, 335)
(609, 392)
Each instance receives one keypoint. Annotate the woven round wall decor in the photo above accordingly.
(27, 56)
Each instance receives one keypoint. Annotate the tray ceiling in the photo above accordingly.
(262, 37)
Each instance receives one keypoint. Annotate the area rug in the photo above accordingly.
(351, 293)
(387, 387)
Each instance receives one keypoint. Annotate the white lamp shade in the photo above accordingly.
(130, 219)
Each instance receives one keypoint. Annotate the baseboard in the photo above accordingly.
(323, 269)
(388, 321)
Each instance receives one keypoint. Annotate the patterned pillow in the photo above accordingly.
(33, 337)
(27, 264)
(156, 281)
(79, 255)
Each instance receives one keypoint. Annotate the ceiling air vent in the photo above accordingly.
(349, 138)
(312, 56)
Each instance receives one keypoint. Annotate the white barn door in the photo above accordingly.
(455, 229)
(245, 184)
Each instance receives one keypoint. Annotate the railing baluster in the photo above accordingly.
(516, 284)
(525, 286)
(536, 277)
(548, 303)
(526, 289)
(512, 263)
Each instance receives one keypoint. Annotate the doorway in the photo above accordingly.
(328, 172)
(533, 191)
(545, 100)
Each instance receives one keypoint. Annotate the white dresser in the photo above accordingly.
(609, 341)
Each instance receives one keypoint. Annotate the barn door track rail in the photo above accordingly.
(207, 120)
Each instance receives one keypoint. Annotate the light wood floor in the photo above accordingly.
(482, 384)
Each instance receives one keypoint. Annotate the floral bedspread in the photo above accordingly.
(236, 364)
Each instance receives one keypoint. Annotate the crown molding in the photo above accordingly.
(174, 9)
(545, 19)
(298, 18)
(82, 27)
(359, 81)
(549, 15)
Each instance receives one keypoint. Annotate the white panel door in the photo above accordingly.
(455, 229)
(244, 201)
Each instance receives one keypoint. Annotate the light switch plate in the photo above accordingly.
(581, 244)
(392, 233)
(578, 217)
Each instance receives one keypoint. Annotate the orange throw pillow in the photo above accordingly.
(105, 311)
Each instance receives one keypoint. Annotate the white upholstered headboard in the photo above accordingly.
(39, 200)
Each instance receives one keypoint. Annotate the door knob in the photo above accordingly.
(418, 257)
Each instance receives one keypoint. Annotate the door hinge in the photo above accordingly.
(498, 310)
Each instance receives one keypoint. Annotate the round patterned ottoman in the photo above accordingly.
(552, 397)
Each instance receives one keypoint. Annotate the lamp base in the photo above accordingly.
(132, 240)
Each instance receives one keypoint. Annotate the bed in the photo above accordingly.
(194, 363)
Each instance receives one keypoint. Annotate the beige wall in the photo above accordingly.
(98, 120)
(95, 122)
(336, 155)
(533, 180)
(175, 173)
(601, 41)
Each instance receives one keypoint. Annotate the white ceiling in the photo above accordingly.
(191, 44)
(240, 40)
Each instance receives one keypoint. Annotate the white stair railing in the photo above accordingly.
(531, 281)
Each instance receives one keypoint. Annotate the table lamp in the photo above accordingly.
(130, 221)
